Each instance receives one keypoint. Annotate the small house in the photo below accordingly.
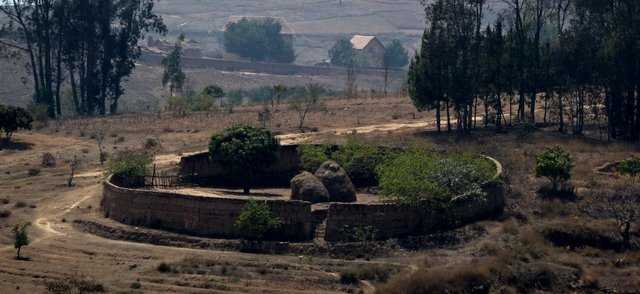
(369, 50)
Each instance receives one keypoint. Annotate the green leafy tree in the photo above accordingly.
(21, 238)
(12, 119)
(554, 164)
(342, 53)
(172, 64)
(245, 149)
(214, 91)
(395, 55)
(256, 220)
(630, 166)
(259, 39)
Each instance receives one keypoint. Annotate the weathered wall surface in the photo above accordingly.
(395, 221)
(204, 216)
(215, 216)
(198, 168)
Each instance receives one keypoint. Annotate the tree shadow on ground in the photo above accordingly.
(252, 194)
(13, 145)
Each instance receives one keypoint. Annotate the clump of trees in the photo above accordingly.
(91, 46)
(245, 150)
(259, 40)
(12, 119)
(578, 58)
(554, 164)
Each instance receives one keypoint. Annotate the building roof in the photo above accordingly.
(286, 28)
(360, 42)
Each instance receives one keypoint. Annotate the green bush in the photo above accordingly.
(360, 161)
(312, 156)
(255, 220)
(245, 149)
(214, 91)
(373, 272)
(630, 166)
(554, 164)
(129, 164)
(12, 119)
(415, 176)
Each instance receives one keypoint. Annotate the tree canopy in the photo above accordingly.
(12, 119)
(342, 53)
(580, 59)
(259, 40)
(245, 149)
(395, 55)
(172, 64)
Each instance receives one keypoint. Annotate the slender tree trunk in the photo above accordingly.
(438, 127)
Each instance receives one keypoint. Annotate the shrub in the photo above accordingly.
(164, 268)
(456, 279)
(21, 204)
(5, 213)
(245, 149)
(360, 160)
(554, 164)
(151, 143)
(214, 91)
(12, 119)
(372, 272)
(312, 156)
(415, 176)
(255, 220)
(48, 160)
(129, 164)
(630, 166)
(33, 172)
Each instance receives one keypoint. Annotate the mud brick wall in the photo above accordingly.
(196, 215)
(396, 221)
(200, 169)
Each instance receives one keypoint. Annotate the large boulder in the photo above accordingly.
(337, 182)
(307, 187)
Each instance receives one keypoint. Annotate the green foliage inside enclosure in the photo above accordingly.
(415, 176)
(129, 164)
